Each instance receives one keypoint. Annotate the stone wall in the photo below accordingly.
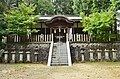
(82, 52)
(29, 52)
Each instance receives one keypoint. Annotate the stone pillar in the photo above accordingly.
(114, 51)
(107, 54)
(82, 53)
(21, 56)
(28, 56)
(76, 55)
(83, 57)
(6, 56)
(99, 54)
(36, 56)
(91, 55)
(13, 57)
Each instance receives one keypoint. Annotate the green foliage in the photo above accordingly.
(54, 7)
(45, 7)
(21, 19)
(87, 7)
(63, 7)
(98, 25)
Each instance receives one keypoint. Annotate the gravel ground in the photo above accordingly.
(98, 70)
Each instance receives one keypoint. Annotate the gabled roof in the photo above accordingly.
(73, 18)
(59, 20)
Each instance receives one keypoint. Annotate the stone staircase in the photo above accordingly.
(59, 54)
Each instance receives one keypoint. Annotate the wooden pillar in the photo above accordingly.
(45, 33)
(73, 34)
(52, 37)
(67, 35)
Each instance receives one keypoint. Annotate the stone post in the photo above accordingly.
(114, 51)
(82, 53)
(13, 56)
(28, 56)
(99, 54)
(107, 54)
(91, 55)
(36, 57)
(6, 56)
(20, 56)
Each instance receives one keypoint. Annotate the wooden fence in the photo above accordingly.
(48, 38)
(82, 38)
(30, 38)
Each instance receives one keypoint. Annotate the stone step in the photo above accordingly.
(59, 55)
(58, 64)
(59, 58)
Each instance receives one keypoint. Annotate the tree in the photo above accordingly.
(98, 25)
(3, 24)
(21, 19)
(54, 7)
(99, 22)
(87, 7)
(63, 7)
(44, 7)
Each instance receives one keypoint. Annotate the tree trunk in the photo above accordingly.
(8, 7)
(16, 3)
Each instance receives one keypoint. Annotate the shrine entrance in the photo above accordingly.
(59, 34)
(60, 31)
(59, 27)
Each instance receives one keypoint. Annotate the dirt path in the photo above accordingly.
(77, 71)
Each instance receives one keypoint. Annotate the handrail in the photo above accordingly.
(69, 55)
(50, 54)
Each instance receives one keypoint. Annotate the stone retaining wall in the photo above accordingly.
(82, 52)
(30, 52)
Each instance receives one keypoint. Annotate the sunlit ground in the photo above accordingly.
(97, 70)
